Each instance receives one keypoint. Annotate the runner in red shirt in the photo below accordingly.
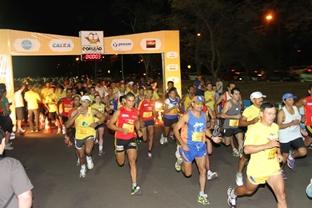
(306, 103)
(124, 122)
(147, 117)
(65, 105)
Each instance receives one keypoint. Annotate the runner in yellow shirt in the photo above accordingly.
(263, 146)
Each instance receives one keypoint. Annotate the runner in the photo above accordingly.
(231, 113)
(124, 122)
(291, 140)
(147, 116)
(263, 146)
(192, 140)
(65, 105)
(249, 117)
(171, 114)
(84, 119)
(100, 106)
(307, 104)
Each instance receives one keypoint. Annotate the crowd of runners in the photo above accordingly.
(264, 137)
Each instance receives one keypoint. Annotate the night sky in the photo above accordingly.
(55, 18)
(70, 17)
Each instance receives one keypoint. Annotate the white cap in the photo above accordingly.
(130, 83)
(86, 97)
(257, 94)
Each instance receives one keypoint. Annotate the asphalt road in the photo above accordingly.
(52, 169)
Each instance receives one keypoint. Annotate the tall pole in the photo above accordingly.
(122, 68)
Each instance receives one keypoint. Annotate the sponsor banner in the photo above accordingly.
(122, 44)
(27, 45)
(92, 42)
(61, 45)
(150, 44)
(172, 67)
(172, 55)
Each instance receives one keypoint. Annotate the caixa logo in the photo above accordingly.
(26, 44)
(60, 45)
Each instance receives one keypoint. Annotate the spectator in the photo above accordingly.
(15, 189)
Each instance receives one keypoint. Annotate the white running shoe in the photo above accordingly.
(90, 164)
(83, 171)
(239, 179)
(211, 175)
(161, 141)
(12, 136)
(63, 130)
(165, 140)
(8, 147)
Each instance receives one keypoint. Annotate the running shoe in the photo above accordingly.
(135, 189)
(100, 153)
(291, 162)
(309, 190)
(203, 199)
(63, 130)
(239, 179)
(162, 139)
(235, 152)
(149, 154)
(178, 164)
(211, 175)
(90, 164)
(231, 200)
(8, 147)
(83, 172)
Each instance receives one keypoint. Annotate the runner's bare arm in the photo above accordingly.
(250, 149)
(182, 121)
(243, 121)
(72, 118)
(112, 122)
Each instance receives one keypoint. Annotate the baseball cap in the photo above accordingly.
(198, 99)
(288, 95)
(86, 97)
(257, 94)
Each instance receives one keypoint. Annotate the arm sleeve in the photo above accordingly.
(20, 181)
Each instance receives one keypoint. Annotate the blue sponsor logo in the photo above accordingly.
(61, 45)
(26, 44)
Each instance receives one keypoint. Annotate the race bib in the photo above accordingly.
(233, 123)
(147, 114)
(272, 154)
(198, 136)
(130, 127)
(83, 131)
(66, 110)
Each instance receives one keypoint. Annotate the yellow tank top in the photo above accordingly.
(187, 103)
(82, 125)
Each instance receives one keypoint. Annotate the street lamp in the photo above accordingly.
(198, 34)
(269, 17)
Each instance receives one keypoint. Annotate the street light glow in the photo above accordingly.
(269, 17)
(189, 66)
(198, 34)
(77, 58)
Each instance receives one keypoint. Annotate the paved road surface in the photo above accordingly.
(53, 171)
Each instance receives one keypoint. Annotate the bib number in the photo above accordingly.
(130, 127)
(198, 136)
(147, 114)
